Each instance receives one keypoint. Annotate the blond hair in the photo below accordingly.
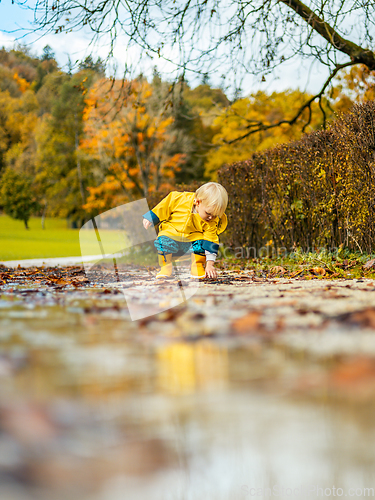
(214, 196)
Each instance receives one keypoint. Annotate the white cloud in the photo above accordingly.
(6, 40)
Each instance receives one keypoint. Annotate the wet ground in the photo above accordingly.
(251, 386)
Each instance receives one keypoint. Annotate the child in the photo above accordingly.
(190, 222)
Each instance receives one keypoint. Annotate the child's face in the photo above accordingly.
(204, 211)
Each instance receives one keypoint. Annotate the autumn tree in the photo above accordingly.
(193, 112)
(232, 126)
(355, 84)
(206, 99)
(127, 137)
(97, 66)
(18, 106)
(16, 196)
(61, 175)
(18, 118)
(229, 38)
(17, 61)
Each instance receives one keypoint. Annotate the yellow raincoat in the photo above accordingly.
(177, 221)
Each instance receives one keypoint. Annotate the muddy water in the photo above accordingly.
(94, 406)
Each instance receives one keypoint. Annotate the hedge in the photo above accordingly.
(317, 191)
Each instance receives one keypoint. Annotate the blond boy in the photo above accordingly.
(190, 222)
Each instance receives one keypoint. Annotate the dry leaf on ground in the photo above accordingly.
(364, 318)
(318, 271)
(278, 270)
(369, 264)
(248, 323)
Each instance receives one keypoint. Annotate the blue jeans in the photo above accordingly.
(165, 245)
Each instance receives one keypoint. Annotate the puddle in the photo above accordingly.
(94, 406)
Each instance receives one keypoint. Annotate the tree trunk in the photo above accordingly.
(79, 170)
(356, 53)
(44, 215)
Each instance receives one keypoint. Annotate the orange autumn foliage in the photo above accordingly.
(22, 83)
(356, 84)
(127, 139)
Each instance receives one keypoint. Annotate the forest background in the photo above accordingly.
(76, 143)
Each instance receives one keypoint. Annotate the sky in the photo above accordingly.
(15, 22)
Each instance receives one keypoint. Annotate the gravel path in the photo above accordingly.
(245, 371)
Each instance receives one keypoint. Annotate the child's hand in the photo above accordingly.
(210, 269)
(146, 223)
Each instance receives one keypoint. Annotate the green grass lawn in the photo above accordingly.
(56, 240)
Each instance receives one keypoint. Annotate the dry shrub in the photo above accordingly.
(314, 192)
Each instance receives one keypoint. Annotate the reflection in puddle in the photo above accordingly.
(185, 368)
(93, 407)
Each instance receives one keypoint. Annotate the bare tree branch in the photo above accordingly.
(233, 38)
(356, 53)
(256, 126)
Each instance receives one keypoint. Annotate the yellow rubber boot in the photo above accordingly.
(166, 266)
(197, 266)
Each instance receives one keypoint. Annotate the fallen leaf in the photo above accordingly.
(296, 274)
(28, 423)
(369, 264)
(353, 372)
(335, 275)
(247, 323)
(58, 281)
(318, 271)
(278, 270)
(364, 318)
